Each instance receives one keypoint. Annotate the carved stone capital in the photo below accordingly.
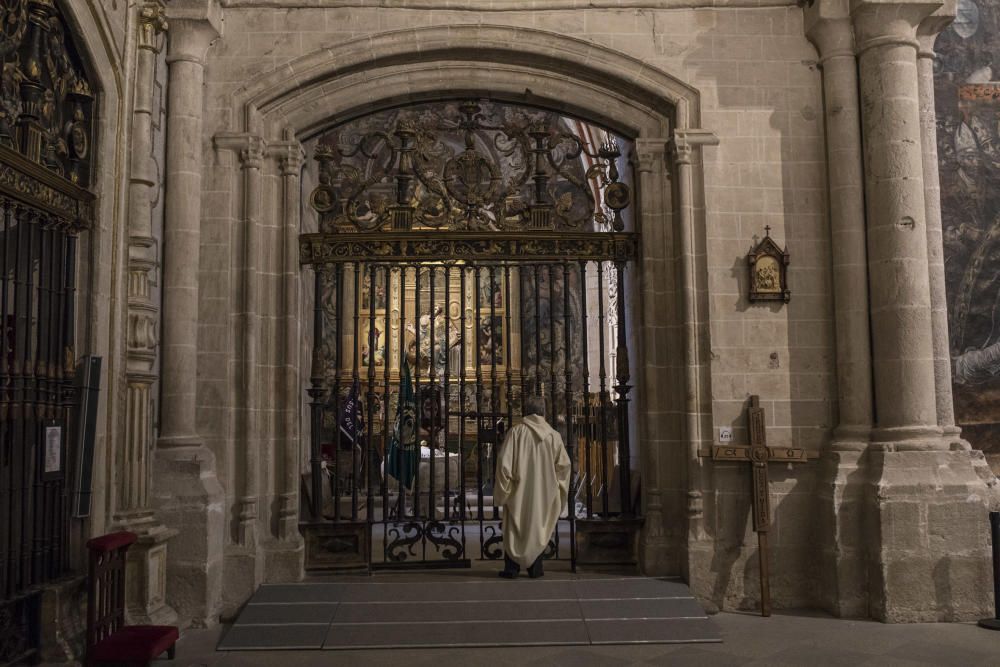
(650, 152)
(882, 23)
(931, 27)
(290, 156)
(684, 141)
(152, 23)
(833, 36)
(194, 27)
(249, 148)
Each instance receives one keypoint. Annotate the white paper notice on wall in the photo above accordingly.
(53, 449)
(725, 434)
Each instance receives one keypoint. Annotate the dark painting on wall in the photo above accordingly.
(967, 96)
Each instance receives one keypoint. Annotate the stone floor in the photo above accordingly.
(787, 638)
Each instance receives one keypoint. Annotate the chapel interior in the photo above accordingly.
(277, 278)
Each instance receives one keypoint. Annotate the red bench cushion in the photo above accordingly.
(135, 643)
(111, 541)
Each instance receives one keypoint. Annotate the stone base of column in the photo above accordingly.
(284, 560)
(842, 501)
(244, 572)
(63, 631)
(146, 573)
(660, 548)
(188, 498)
(930, 552)
(657, 557)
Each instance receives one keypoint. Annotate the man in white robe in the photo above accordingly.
(532, 482)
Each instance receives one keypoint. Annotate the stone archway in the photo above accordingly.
(282, 108)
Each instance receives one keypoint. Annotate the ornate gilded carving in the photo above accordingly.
(469, 167)
(22, 180)
(45, 98)
(317, 249)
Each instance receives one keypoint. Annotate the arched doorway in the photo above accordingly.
(469, 253)
(280, 112)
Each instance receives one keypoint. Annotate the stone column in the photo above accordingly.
(249, 149)
(897, 241)
(145, 599)
(291, 158)
(697, 398)
(927, 33)
(660, 536)
(283, 555)
(187, 492)
(841, 496)
(244, 568)
(934, 568)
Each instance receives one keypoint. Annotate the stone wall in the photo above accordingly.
(250, 80)
(759, 92)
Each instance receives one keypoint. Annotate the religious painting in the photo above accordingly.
(365, 340)
(768, 278)
(380, 291)
(967, 97)
(490, 337)
(491, 288)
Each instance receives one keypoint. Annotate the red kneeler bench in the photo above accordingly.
(109, 640)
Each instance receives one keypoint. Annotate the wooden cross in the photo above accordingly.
(759, 455)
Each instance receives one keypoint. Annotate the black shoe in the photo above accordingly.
(507, 574)
(535, 571)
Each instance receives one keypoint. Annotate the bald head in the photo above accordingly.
(534, 405)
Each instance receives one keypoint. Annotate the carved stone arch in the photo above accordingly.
(300, 99)
(428, 55)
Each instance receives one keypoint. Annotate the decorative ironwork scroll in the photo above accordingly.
(468, 166)
(456, 247)
(318, 249)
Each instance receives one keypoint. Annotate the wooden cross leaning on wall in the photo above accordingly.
(759, 455)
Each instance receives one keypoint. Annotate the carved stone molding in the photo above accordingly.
(250, 149)
(684, 141)
(195, 26)
(152, 24)
(649, 152)
(290, 156)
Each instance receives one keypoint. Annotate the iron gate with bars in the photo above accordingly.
(46, 129)
(441, 301)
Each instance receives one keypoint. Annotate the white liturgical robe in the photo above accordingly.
(532, 482)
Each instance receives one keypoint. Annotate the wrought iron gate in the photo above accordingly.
(436, 314)
(45, 132)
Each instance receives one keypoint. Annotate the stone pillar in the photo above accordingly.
(927, 33)
(933, 568)
(897, 241)
(660, 536)
(697, 397)
(145, 600)
(841, 494)
(283, 555)
(291, 158)
(244, 567)
(187, 493)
